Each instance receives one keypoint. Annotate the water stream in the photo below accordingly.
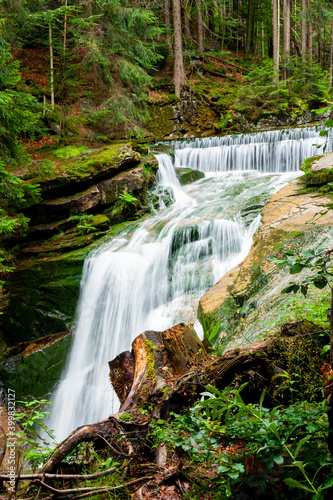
(153, 278)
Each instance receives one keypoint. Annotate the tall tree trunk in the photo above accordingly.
(51, 65)
(286, 38)
(262, 40)
(200, 28)
(187, 31)
(65, 32)
(303, 17)
(331, 53)
(211, 26)
(178, 72)
(249, 28)
(276, 40)
(167, 20)
(309, 35)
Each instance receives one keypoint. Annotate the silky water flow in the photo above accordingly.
(152, 278)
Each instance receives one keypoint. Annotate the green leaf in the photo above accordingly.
(222, 468)
(296, 268)
(320, 282)
(329, 123)
(300, 444)
(296, 484)
(279, 459)
(304, 290)
(325, 349)
(288, 289)
(323, 133)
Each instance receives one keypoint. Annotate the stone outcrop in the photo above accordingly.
(247, 301)
(81, 202)
(318, 170)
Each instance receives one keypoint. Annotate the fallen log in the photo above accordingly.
(167, 371)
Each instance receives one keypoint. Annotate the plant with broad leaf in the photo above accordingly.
(320, 264)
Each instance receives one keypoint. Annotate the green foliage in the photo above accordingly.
(308, 84)
(85, 224)
(125, 201)
(274, 450)
(19, 111)
(318, 261)
(31, 422)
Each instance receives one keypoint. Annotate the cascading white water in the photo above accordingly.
(153, 278)
(273, 151)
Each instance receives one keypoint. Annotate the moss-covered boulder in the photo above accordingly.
(318, 170)
(188, 175)
(34, 368)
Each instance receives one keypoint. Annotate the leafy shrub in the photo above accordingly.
(251, 448)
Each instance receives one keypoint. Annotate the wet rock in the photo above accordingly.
(188, 175)
(34, 368)
(246, 301)
(318, 170)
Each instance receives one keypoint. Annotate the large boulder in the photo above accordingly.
(318, 170)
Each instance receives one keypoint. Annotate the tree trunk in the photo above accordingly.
(331, 54)
(178, 72)
(200, 28)
(309, 35)
(262, 40)
(276, 40)
(187, 31)
(303, 17)
(51, 65)
(167, 20)
(286, 39)
(249, 29)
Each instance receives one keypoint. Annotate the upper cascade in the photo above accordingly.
(275, 151)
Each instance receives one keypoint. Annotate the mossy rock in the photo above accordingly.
(70, 151)
(43, 297)
(34, 369)
(188, 175)
(318, 170)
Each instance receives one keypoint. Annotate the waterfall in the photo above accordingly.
(153, 278)
(274, 151)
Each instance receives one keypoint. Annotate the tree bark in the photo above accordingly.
(178, 72)
(167, 20)
(187, 31)
(200, 28)
(51, 65)
(304, 32)
(309, 42)
(286, 39)
(331, 54)
(276, 40)
(249, 28)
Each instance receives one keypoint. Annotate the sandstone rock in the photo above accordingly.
(290, 221)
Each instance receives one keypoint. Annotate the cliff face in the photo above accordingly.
(83, 199)
(247, 302)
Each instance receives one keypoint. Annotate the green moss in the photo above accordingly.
(70, 151)
(188, 175)
(38, 373)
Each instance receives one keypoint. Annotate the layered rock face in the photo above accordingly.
(83, 200)
(247, 301)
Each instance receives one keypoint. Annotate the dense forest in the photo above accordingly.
(250, 423)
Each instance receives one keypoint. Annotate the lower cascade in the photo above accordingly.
(153, 278)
